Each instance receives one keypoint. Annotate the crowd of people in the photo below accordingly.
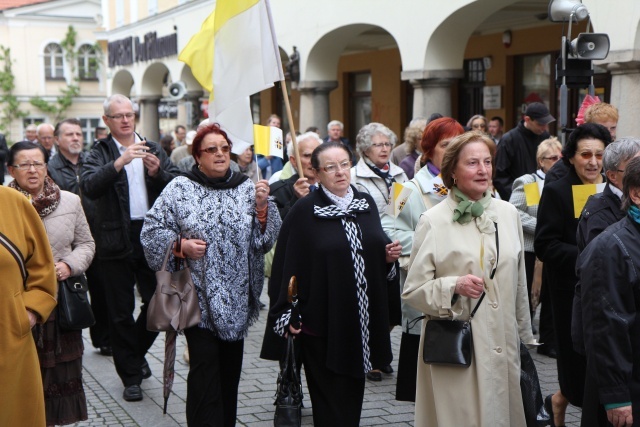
(487, 213)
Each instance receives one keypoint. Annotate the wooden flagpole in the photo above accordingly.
(292, 129)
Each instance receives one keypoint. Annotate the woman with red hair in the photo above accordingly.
(427, 191)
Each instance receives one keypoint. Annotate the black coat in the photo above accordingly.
(516, 156)
(557, 171)
(600, 211)
(100, 181)
(608, 270)
(316, 250)
(555, 245)
(282, 192)
(4, 151)
(63, 173)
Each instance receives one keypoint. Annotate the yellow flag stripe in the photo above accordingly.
(227, 9)
(198, 54)
(261, 140)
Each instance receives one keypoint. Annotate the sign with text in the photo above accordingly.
(492, 97)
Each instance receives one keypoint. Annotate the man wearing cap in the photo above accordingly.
(516, 154)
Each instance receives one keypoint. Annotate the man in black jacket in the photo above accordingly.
(64, 169)
(287, 192)
(125, 174)
(516, 154)
(4, 150)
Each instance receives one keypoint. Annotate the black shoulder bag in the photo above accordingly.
(450, 342)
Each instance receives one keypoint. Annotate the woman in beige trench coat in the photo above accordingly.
(453, 255)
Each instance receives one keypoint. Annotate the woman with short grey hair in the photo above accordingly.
(374, 173)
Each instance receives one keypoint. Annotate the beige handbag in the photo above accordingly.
(174, 306)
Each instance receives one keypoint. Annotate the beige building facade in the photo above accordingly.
(378, 60)
(34, 32)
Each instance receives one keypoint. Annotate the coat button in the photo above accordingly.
(494, 305)
(498, 350)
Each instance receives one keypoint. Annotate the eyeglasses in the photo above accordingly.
(27, 166)
(382, 144)
(119, 117)
(214, 150)
(589, 154)
(334, 167)
(480, 126)
(554, 158)
(620, 170)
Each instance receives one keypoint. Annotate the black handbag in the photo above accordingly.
(74, 309)
(450, 342)
(288, 401)
(534, 411)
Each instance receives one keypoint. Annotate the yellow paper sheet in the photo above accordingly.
(532, 193)
(580, 195)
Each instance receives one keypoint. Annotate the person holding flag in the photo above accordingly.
(427, 190)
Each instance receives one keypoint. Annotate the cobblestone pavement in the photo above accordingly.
(255, 401)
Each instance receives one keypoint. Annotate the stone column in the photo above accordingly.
(432, 91)
(625, 81)
(149, 124)
(314, 103)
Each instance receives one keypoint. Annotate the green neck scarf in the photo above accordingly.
(466, 209)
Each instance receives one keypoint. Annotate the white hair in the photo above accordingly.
(115, 98)
(300, 139)
(42, 126)
(335, 123)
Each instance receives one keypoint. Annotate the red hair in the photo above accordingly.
(436, 131)
(204, 131)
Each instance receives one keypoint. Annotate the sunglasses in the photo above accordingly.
(214, 150)
(589, 154)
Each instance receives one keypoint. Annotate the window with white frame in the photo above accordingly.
(53, 63)
(87, 63)
(89, 125)
(153, 7)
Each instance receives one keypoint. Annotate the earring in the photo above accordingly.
(200, 167)
(455, 181)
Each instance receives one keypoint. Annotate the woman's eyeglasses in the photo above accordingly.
(334, 167)
(589, 154)
(214, 150)
(554, 158)
(27, 166)
(382, 144)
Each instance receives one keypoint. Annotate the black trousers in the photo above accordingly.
(545, 325)
(336, 399)
(130, 338)
(100, 331)
(214, 375)
(408, 360)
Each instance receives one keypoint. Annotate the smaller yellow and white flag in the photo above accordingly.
(268, 141)
(399, 196)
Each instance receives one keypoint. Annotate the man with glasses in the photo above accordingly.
(516, 154)
(124, 174)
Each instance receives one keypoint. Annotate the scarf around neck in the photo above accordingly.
(45, 202)
(381, 172)
(466, 210)
(229, 180)
(634, 214)
(341, 202)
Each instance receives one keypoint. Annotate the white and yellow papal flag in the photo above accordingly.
(267, 140)
(399, 196)
(246, 60)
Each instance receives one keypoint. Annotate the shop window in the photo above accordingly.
(359, 103)
(87, 63)
(53, 62)
(534, 82)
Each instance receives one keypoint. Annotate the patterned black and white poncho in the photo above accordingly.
(229, 278)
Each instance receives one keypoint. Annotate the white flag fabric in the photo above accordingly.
(397, 201)
(246, 60)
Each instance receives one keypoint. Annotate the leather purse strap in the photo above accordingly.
(493, 272)
(17, 255)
